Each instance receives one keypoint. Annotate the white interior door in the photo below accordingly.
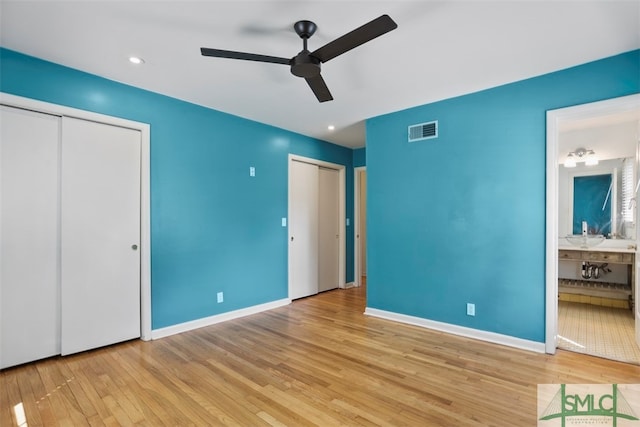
(29, 316)
(328, 229)
(303, 229)
(100, 235)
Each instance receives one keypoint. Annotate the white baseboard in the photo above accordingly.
(212, 320)
(538, 347)
(350, 285)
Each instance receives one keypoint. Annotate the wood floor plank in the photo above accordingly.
(317, 362)
(10, 394)
(28, 397)
(85, 387)
(53, 383)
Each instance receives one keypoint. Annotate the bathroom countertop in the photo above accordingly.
(609, 245)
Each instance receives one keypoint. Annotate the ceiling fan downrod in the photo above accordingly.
(303, 64)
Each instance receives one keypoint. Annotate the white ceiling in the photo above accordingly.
(441, 49)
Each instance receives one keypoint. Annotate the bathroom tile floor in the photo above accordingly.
(599, 331)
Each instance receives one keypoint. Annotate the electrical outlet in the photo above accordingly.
(220, 297)
(471, 309)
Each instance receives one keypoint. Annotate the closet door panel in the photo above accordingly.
(303, 229)
(100, 234)
(29, 298)
(328, 229)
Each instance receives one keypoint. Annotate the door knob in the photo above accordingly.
(134, 247)
(292, 238)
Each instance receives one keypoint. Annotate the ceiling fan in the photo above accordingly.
(307, 64)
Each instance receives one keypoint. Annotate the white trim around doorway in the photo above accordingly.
(555, 118)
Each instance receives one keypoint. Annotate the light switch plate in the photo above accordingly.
(252, 171)
(284, 222)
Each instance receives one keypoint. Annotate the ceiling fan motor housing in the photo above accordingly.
(305, 65)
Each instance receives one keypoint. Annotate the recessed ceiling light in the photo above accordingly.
(331, 127)
(136, 60)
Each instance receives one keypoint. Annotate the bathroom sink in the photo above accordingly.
(585, 241)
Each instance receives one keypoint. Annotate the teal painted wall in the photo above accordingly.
(592, 203)
(462, 218)
(213, 228)
(359, 157)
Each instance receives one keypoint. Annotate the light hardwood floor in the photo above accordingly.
(318, 361)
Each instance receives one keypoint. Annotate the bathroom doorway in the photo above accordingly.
(591, 313)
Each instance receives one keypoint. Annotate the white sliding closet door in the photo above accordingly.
(29, 319)
(303, 229)
(100, 234)
(328, 229)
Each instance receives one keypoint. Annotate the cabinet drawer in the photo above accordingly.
(575, 255)
(602, 256)
(627, 258)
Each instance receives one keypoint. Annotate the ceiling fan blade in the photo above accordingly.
(355, 38)
(319, 88)
(219, 53)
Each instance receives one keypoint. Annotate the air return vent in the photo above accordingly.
(422, 131)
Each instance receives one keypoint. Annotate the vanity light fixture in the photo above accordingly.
(581, 155)
(591, 159)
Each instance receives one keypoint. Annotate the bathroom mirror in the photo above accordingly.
(602, 195)
(592, 203)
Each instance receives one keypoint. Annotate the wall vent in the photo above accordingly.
(423, 131)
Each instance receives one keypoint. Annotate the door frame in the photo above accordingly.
(357, 266)
(555, 118)
(145, 187)
(341, 210)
